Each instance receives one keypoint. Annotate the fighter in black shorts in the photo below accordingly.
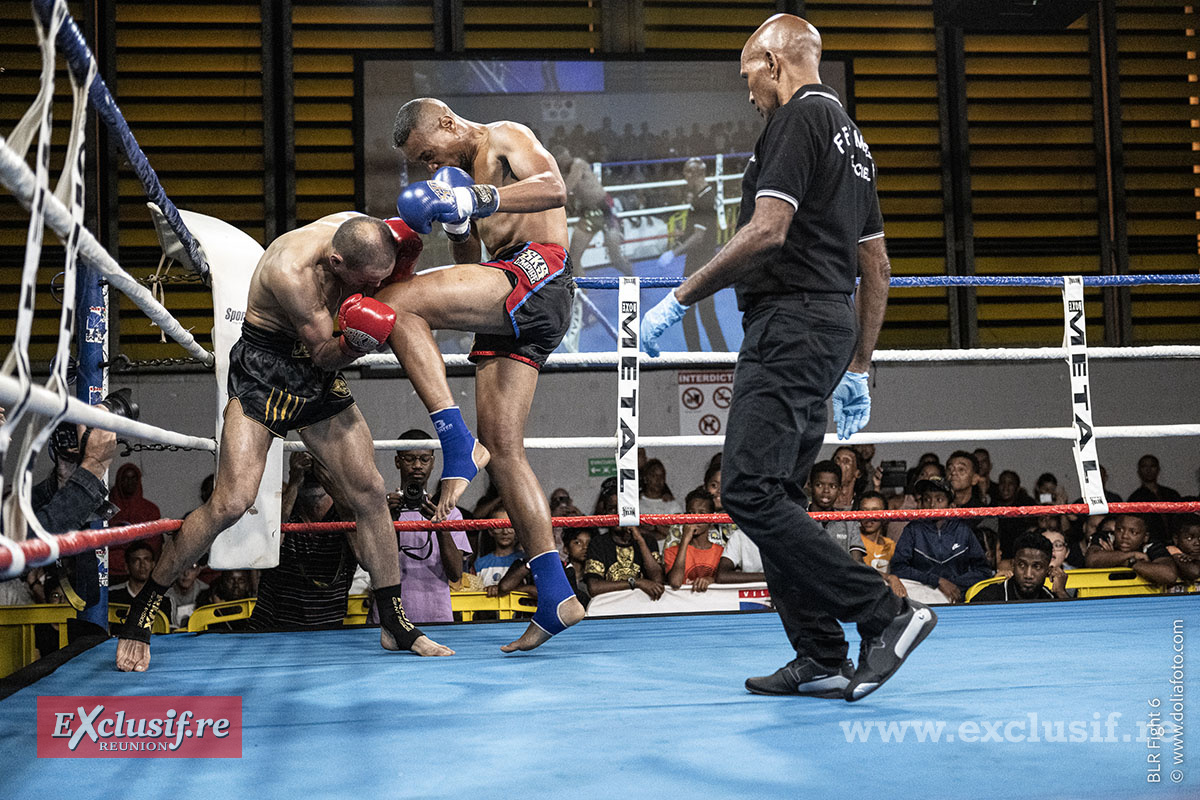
(283, 375)
(496, 185)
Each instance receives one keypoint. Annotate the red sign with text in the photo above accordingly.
(139, 727)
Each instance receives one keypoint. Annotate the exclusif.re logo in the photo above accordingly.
(139, 727)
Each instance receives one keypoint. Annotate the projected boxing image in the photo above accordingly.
(652, 155)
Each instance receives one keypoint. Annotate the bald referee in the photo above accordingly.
(809, 224)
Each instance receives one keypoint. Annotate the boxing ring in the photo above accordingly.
(642, 705)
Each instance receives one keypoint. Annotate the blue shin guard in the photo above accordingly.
(553, 590)
(458, 445)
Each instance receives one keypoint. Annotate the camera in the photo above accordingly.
(895, 474)
(66, 442)
(412, 496)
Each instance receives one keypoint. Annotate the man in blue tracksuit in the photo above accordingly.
(941, 553)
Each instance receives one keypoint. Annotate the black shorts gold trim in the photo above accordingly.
(273, 377)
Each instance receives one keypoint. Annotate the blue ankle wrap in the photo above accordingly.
(553, 590)
(458, 445)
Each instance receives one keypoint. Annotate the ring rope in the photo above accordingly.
(947, 355)
(36, 551)
(935, 281)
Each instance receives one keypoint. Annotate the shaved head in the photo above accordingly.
(414, 115)
(363, 242)
(792, 40)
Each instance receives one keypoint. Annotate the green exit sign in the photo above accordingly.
(602, 467)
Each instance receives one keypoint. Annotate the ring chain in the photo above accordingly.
(128, 447)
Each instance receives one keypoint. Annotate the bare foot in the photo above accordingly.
(452, 488)
(423, 646)
(569, 612)
(132, 655)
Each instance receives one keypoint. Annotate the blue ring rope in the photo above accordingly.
(917, 281)
(78, 56)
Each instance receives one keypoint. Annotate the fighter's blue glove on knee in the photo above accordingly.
(851, 404)
(656, 321)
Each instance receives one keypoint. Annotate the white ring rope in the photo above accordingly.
(20, 180)
(667, 360)
(43, 401)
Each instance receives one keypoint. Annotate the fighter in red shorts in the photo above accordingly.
(494, 184)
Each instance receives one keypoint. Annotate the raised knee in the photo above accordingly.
(229, 507)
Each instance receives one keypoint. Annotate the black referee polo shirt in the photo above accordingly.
(812, 156)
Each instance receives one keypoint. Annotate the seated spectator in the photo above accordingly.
(311, 584)
(561, 505)
(983, 464)
(877, 549)
(1151, 491)
(185, 591)
(866, 458)
(622, 559)
(927, 471)
(1186, 548)
(45, 636)
(518, 577)
(1131, 548)
(1009, 493)
(825, 482)
(656, 496)
(740, 560)
(228, 586)
(498, 554)
(1031, 567)
(140, 559)
(942, 554)
(700, 555)
(962, 473)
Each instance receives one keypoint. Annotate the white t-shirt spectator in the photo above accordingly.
(742, 552)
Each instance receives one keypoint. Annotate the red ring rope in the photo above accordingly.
(36, 551)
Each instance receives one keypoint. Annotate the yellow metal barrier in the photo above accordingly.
(1109, 582)
(214, 614)
(17, 641)
(469, 603)
(358, 606)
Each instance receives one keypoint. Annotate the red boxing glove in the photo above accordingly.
(366, 323)
(408, 249)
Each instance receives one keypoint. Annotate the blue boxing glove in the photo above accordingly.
(423, 203)
(656, 321)
(851, 404)
(456, 179)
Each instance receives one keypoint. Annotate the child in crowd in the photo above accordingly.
(701, 555)
(877, 548)
(492, 566)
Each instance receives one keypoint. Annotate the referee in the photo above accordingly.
(809, 224)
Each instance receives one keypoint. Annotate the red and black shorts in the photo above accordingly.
(539, 304)
(279, 386)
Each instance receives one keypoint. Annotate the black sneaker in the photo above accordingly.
(880, 656)
(803, 676)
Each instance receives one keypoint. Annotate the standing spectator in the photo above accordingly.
(496, 560)
(941, 553)
(429, 562)
(696, 557)
(846, 457)
(1151, 491)
(127, 496)
(185, 592)
(311, 584)
(140, 559)
(1131, 548)
(698, 244)
(1031, 567)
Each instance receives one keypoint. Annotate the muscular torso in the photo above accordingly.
(296, 255)
(501, 231)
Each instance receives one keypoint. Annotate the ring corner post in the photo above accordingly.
(91, 386)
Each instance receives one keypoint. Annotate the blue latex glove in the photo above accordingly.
(851, 404)
(658, 319)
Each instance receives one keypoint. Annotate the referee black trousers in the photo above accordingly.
(793, 354)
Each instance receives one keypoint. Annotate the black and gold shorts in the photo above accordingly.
(273, 377)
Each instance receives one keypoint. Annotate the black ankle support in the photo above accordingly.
(142, 611)
(393, 619)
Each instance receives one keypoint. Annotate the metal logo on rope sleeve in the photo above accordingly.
(628, 300)
(1087, 462)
